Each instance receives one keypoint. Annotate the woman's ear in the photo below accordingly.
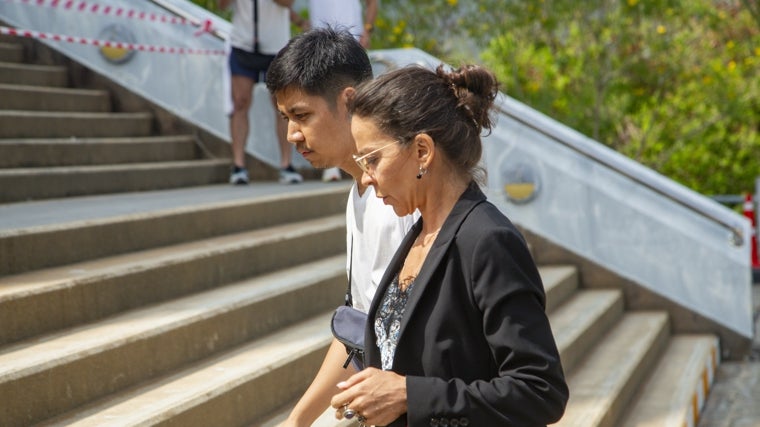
(425, 149)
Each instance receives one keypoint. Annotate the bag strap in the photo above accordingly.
(348, 299)
(255, 26)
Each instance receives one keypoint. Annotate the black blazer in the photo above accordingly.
(475, 343)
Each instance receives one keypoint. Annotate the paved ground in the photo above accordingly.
(735, 397)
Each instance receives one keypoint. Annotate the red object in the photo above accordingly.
(749, 212)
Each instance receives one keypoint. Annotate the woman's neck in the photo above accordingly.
(439, 201)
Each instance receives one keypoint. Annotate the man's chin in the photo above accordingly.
(320, 165)
(316, 164)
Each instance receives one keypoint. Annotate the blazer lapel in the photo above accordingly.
(471, 197)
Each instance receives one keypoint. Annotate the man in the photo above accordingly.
(312, 79)
(271, 20)
(344, 14)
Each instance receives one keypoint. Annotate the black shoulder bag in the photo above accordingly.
(348, 324)
(254, 60)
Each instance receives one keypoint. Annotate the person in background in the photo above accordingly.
(457, 332)
(273, 34)
(312, 79)
(344, 14)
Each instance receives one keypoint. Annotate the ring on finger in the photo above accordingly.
(348, 413)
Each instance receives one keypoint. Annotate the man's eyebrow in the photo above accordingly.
(295, 108)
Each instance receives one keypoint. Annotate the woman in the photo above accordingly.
(458, 324)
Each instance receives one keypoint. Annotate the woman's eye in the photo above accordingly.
(371, 160)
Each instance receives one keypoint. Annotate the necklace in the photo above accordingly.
(415, 258)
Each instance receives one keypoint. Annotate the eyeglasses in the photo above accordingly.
(365, 162)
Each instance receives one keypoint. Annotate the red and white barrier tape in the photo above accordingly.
(109, 43)
(205, 26)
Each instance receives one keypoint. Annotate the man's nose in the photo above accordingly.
(294, 133)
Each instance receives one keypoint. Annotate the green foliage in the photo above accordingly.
(670, 83)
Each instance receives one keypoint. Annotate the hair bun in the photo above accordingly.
(475, 88)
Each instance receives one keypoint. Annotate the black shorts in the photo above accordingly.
(239, 68)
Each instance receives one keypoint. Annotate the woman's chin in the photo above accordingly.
(400, 211)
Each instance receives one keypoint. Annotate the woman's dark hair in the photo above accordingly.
(321, 62)
(453, 107)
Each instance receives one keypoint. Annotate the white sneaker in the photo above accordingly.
(290, 176)
(331, 174)
(239, 178)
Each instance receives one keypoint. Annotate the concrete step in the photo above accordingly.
(604, 382)
(38, 98)
(560, 282)
(47, 300)
(33, 75)
(580, 323)
(246, 382)
(33, 124)
(30, 153)
(22, 184)
(50, 233)
(237, 388)
(11, 52)
(677, 389)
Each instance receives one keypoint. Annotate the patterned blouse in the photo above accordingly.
(388, 320)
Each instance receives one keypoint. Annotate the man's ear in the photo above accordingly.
(346, 94)
(425, 149)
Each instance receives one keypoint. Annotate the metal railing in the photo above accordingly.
(633, 171)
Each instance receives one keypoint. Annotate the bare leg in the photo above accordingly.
(242, 96)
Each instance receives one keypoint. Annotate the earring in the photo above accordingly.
(422, 171)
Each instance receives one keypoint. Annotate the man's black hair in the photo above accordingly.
(321, 62)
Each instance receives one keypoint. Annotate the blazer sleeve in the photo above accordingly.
(529, 387)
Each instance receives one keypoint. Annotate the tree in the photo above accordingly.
(670, 83)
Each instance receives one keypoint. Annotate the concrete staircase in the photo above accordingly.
(57, 141)
(208, 305)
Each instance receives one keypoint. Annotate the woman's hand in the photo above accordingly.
(379, 397)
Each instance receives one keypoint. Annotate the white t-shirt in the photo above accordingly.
(377, 233)
(274, 26)
(337, 13)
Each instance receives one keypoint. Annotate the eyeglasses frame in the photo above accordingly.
(361, 160)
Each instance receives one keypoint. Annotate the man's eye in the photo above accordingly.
(371, 160)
